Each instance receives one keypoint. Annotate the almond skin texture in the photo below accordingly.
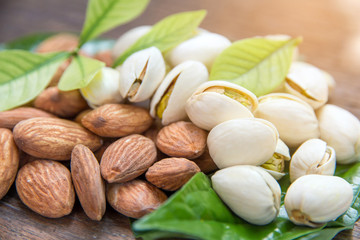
(9, 160)
(205, 162)
(134, 199)
(89, 186)
(53, 138)
(171, 173)
(117, 120)
(9, 119)
(45, 187)
(127, 158)
(63, 104)
(182, 139)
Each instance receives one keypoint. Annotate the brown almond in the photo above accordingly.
(89, 186)
(117, 120)
(45, 187)
(171, 173)
(59, 42)
(106, 57)
(182, 139)
(63, 104)
(59, 72)
(79, 117)
(53, 138)
(9, 161)
(127, 158)
(205, 162)
(10, 118)
(134, 199)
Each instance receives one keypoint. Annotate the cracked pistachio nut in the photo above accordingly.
(341, 130)
(204, 47)
(215, 102)
(293, 118)
(312, 200)
(307, 82)
(312, 157)
(250, 192)
(168, 102)
(141, 74)
(127, 39)
(103, 88)
(276, 164)
(244, 141)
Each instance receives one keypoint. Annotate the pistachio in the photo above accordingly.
(245, 141)
(276, 164)
(294, 119)
(341, 130)
(250, 192)
(312, 157)
(141, 74)
(217, 101)
(169, 100)
(313, 200)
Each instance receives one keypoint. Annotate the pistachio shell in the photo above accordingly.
(276, 164)
(313, 200)
(294, 119)
(274, 174)
(250, 192)
(245, 141)
(141, 74)
(103, 88)
(312, 157)
(182, 81)
(207, 108)
(341, 130)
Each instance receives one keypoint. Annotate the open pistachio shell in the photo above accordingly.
(215, 102)
(170, 98)
(312, 157)
(141, 74)
(294, 119)
(245, 141)
(276, 164)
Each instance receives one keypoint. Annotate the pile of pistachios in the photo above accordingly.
(250, 138)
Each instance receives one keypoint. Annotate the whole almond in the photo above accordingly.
(58, 42)
(117, 120)
(53, 138)
(45, 187)
(134, 199)
(106, 57)
(182, 139)
(79, 117)
(89, 186)
(9, 160)
(205, 162)
(171, 173)
(127, 158)
(9, 119)
(63, 104)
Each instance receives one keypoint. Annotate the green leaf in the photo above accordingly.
(29, 42)
(167, 33)
(258, 64)
(79, 73)
(324, 234)
(23, 75)
(103, 15)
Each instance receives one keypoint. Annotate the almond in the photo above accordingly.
(53, 138)
(45, 187)
(9, 160)
(63, 104)
(9, 119)
(79, 117)
(127, 158)
(134, 199)
(59, 72)
(205, 162)
(171, 173)
(89, 186)
(106, 57)
(117, 120)
(182, 139)
(59, 42)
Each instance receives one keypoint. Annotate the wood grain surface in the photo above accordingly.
(331, 33)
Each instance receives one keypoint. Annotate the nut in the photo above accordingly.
(105, 56)
(59, 42)
(89, 186)
(205, 162)
(9, 161)
(127, 158)
(171, 173)
(53, 138)
(117, 120)
(182, 139)
(45, 187)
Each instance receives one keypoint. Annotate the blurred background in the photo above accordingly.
(330, 28)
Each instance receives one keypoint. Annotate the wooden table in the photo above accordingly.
(331, 32)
